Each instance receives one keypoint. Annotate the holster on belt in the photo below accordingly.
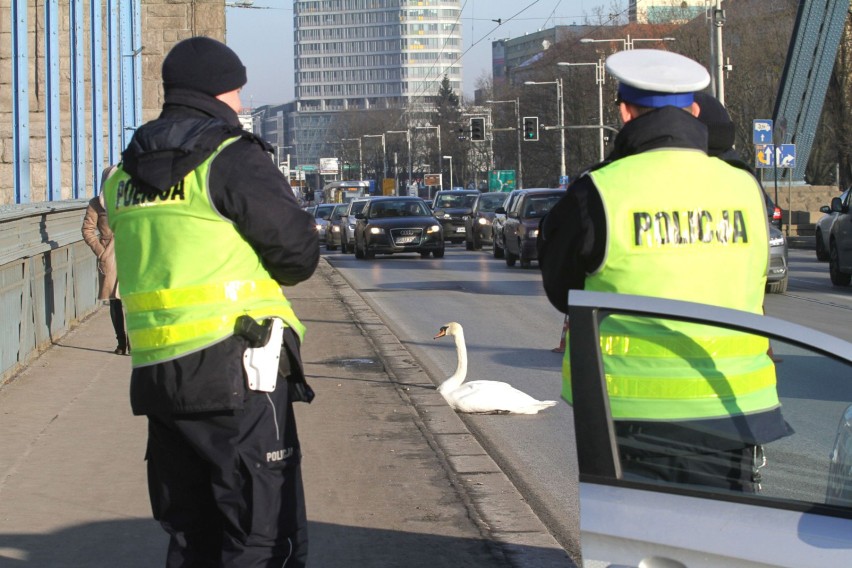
(289, 364)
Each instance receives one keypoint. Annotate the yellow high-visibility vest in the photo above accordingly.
(682, 226)
(185, 272)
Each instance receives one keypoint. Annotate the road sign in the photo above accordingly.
(785, 156)
(764, 156)
(501, 180)
(564, 181)
(762, 131)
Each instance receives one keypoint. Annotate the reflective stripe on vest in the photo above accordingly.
(696, 241)
(185, 272)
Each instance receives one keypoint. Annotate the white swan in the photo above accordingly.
(483, 397)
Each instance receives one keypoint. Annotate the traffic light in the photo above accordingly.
(477, 129)
(531, 128)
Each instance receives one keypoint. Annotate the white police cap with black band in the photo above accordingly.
(655, 78)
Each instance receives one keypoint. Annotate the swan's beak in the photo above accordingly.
(441, 332)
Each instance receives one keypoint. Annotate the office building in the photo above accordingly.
(368, 55)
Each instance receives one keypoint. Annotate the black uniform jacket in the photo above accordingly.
(246, 188)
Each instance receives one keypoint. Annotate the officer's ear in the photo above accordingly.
(694, 109)
(626, 110)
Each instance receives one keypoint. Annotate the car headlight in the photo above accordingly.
(335, 229)
(319, 227)
(776, 241)
(447, 216)
(376, 230)
(433, 229)
(482, 221)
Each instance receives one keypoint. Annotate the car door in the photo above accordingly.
(510, 226)
(802, 515)
(841, 231)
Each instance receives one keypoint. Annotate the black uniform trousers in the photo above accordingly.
(227, 486)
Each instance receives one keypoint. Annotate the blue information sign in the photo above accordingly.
(785, 156)
(762, 131)
(764, 156)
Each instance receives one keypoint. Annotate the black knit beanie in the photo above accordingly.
(720, 127)
(203, 64)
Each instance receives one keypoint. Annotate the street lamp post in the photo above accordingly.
(517, 103)
(384, 153)
(626, 43)
(450, 158)
(560, 111)
(600, 76)
(408, 143)
(360, 156)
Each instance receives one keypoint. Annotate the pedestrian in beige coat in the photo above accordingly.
(98, 236)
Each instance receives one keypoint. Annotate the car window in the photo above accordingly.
(324, 211)
(804, 458)
(338, 212)
(357, 207)
(449, 201)
(469, 200)
(488, 202)
(536, 206)
(407, 208)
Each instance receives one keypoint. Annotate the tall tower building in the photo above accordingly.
(369, 54)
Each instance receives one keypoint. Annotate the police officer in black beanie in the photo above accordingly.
(207, 229)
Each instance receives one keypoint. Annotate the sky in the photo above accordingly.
(263, 37)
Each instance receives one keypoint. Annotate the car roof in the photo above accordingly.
(396, 198)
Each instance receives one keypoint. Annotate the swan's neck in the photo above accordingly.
(457, 378)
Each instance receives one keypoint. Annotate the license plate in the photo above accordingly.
(460, 229)
(404, 240)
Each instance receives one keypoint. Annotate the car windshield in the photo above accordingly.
(324, 211)
(538, 206)
(357, 207)
(398, 209)
(488, 202)
(339, 211)
(448, 201)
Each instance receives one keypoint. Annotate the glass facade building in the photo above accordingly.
(369, 54)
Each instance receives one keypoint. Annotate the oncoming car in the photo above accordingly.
(334, 229)
(389, 225)
(478, 224)
(450, 208)
(347, 234)
(521, 226)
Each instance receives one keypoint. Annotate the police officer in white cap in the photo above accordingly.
(661, 218)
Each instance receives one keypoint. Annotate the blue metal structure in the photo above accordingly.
(810, 60)
(91, 143)
(20, 102)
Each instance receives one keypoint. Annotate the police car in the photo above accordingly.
(802, 514)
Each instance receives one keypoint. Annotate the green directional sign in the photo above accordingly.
(501, 180)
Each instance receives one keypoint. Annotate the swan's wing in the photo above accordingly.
(494, 396)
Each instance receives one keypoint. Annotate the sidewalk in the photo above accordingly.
(392, 475)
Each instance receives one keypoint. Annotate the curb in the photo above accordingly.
(493, 502)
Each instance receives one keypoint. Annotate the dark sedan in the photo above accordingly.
(521, 227)
(477, 225)
(450, 207)
(389, 225)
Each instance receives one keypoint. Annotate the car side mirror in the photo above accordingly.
(512, 214)
(500, 210)
(836, 205)
(360, 216)
(825, 209)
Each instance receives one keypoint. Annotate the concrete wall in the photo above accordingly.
(164, 23)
